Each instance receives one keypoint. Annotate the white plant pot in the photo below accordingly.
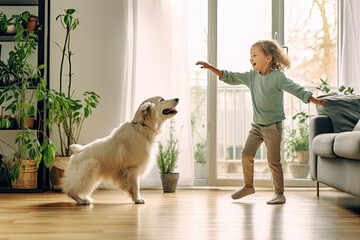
(200, 170)
(11, 29)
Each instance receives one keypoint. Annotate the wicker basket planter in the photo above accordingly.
(57, 172)
(27, 176)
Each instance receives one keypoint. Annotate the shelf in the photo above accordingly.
(43, 10)
(7, 37)
(4, 189)
(19, 2)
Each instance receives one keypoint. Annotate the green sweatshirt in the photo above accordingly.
(267, 93)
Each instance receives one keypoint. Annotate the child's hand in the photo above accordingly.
(203, 64)
(318, 101)
(210, 67)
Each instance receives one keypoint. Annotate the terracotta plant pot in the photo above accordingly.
(303, 157)
(31, 25)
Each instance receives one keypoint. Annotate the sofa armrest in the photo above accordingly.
(318, 124)
(347, 145)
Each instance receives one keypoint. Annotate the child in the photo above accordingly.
(267, 84)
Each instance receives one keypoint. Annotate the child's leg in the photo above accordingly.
(253, 142)
(272, 139)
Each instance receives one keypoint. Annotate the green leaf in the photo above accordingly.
(32, 153)
(70, 11)
(86, 112)
(31, 111)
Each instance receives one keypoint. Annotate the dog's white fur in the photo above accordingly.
(122, 157)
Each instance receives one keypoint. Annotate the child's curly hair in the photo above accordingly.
(270, 47)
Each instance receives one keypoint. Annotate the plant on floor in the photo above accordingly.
(297, 140)
(200, 152)
(168, 153)
(167, 159)
(65, 111)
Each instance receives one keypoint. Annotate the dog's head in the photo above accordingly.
(154, 111)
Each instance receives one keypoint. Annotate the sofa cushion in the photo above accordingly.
(322, 145)
(347, 145)
(343, 110)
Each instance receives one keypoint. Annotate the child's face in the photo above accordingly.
(259, 60)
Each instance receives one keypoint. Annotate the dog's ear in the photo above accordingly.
(146, 108)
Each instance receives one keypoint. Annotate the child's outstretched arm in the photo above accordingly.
(210, 67)
(318, 101)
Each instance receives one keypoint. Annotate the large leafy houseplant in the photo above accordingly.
(65, 111)
(22, 95)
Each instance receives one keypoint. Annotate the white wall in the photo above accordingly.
(98, 46)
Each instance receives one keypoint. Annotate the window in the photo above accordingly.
(309, 35)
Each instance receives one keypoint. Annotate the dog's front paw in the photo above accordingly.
(139, 201)
(82, 201)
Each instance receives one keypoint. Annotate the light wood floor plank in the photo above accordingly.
(186, 214)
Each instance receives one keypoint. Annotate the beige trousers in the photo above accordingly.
(271, 135)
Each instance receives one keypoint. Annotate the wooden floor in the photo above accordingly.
(184, 215)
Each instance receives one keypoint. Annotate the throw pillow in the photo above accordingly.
(343, 110)
(357, 126)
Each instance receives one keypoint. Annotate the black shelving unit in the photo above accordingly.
(43, 12)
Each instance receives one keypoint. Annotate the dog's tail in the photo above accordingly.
(76, 148)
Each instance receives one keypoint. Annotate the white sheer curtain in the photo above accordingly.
(156, 64)
(350, 48)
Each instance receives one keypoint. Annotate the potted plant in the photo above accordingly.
(167, 158)
(297, 142)
(21, 98)
(198, 129)
(200, 160)
(66, 112)
(7, 25)
(325, 88)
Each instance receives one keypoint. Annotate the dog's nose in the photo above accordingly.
(176, 100)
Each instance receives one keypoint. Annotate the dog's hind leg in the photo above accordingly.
(81, 180)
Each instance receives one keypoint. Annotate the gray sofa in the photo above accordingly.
(335, 144)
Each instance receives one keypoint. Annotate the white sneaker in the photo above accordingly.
(243, 192)
(278, 198)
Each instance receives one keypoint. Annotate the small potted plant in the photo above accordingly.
(200, 160)
(297, 142)
(167, 159)
(7, 25)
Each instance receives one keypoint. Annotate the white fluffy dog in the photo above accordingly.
(122, 157)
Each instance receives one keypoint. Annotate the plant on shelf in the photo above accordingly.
(6, 24)
(167, 158)
(27, 89)
(9, 72)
